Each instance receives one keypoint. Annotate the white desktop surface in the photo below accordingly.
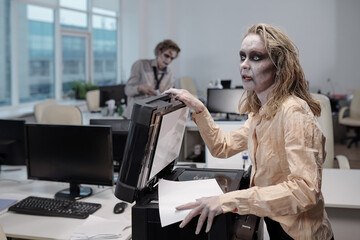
(16, 185)
(340, 188)
(341, 191)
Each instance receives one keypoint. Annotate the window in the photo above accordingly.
(74, 61)
(5, 67)
(39, 68)
(73, 19)
(35, 53)
(104, 49)
(110, 66)
(51, 55)
(78, 4)
(98, 66)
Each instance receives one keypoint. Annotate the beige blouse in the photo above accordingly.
(287, 153)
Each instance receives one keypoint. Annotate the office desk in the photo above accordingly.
(14, 184)
(27, 110)
(341, 192)
(86, 115)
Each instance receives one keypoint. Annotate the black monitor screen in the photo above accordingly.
(226, 83)
(224, 100)
(116, 92)
(12, 142)
(120, 129)
(68, 153)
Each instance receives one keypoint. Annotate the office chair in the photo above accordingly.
(326, 125)
(39, 108)
(93, 100)
(350, 117)
(2, 234)
(60, 114)
(188, 84)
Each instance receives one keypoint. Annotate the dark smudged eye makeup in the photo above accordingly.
(168, 56)
(242, 56)
(256, 57)
(253, 56)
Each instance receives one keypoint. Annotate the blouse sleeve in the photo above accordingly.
(304, 147)
(220, 145)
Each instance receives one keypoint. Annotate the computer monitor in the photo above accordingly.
(226, 83)
(120, 129)
(224, 100)
(12, 142)
(116, 92)
(76, 154)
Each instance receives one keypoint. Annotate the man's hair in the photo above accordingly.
(165, 45)
(289, 76)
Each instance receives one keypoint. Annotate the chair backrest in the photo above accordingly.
(326, 125)
(39, 108)
(188, 84)
(355, 105)
(2, 234)
(93, 99)
(60, 114)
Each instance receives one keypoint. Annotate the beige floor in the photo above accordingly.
(353, 154)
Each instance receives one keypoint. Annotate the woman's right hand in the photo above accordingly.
(190, 100)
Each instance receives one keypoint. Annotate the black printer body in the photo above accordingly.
(155, 136)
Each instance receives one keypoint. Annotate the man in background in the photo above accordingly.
(150, 77)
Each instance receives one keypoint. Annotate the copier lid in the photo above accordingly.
(154, 141)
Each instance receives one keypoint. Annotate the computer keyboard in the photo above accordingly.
(54, 207)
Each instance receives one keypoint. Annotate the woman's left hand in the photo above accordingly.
(206, 207)
(187, 98)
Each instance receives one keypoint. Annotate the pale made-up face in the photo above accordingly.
(165, 58)
(256, 68)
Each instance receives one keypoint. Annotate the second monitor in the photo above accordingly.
(120, 129)
(116, 92)
(224, 100)
(12, 142)
(76, 154)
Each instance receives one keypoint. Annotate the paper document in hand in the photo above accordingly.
(174, 193)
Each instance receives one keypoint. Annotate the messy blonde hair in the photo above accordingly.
(289, 76)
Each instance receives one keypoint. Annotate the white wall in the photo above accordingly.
(209, 33)
(347, 50)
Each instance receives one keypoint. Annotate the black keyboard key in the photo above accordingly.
(55, 207)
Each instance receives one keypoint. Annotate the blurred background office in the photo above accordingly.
(48, 47)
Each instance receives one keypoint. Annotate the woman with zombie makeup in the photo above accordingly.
(282, 137)
(150, 77)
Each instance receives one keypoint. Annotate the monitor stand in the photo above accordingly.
(75, 192)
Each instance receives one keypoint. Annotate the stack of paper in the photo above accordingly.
(101, 228)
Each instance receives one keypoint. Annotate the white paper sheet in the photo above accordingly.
(175, 193)
(100, 228)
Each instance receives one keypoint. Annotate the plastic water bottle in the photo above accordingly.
(244, 158)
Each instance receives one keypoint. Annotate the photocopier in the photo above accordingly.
(153, 145)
